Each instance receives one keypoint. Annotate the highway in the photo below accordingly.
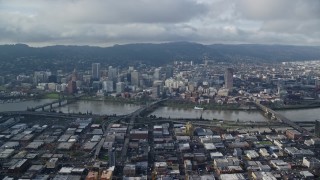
(47, 114)
(107, 125)
(132, 117)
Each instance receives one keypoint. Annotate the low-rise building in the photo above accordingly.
(106, 175)
(257, 175)
(251, 154)
(209, 146)
(295, 152)
(160, 167)
(92, 175)
(187, 166)
(19, 167)
(264, 152)
(52, 163)
(311, 162)
(235, 176)
(138, 134)
(129, 170)
(280, 165)
(293, 134)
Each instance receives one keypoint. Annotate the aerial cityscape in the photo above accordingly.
(160, 90)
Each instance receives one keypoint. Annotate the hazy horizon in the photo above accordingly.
(153, 43)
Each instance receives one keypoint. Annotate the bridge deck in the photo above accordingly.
(283, 119)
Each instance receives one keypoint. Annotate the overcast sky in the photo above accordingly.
(108, 22)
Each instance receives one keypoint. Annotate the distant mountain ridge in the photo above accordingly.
(23, 56)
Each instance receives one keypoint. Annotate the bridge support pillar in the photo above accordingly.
(42, 108)
(50, 106)
(59, 103)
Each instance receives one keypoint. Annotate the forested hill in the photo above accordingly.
(31, 58)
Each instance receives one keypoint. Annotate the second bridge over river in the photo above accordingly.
(279, 117)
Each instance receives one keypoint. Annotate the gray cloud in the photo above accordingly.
(107, 22)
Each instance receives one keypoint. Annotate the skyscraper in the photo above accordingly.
(228, 78)
(112, 73)
(169, 72)
(120, 87)
(135, 78)
(156, 75)
(72, 87)
(96, 71)
(107, 86)
(74, 76)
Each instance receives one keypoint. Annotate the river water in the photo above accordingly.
(233, 115)
(109, 108)
(302, 114)
(23, 105)
(99, 107)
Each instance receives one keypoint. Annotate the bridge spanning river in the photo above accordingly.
(143, 110)
(282, 118)
(58, 101)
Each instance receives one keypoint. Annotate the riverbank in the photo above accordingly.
(103, 98)
(178, 103)
(190, 105)
(119, 100)
(296, 107)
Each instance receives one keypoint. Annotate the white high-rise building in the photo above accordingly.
(112, 73)
(107, 86)
(95, 70)
(156, 75)
(120, 87)
(135, 78)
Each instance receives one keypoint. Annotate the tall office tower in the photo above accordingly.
(317, 129)
(156, 75)
(96, 71)
(169, 72)
(156, 91)
(135, 78)
(72, 87)
(112, 73)
(74, 76)
(128, 77)
(228, 78)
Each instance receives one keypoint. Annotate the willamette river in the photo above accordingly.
(108, 108)
(241, 115)
(99, 107)
(234, 115)
(95, 107)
